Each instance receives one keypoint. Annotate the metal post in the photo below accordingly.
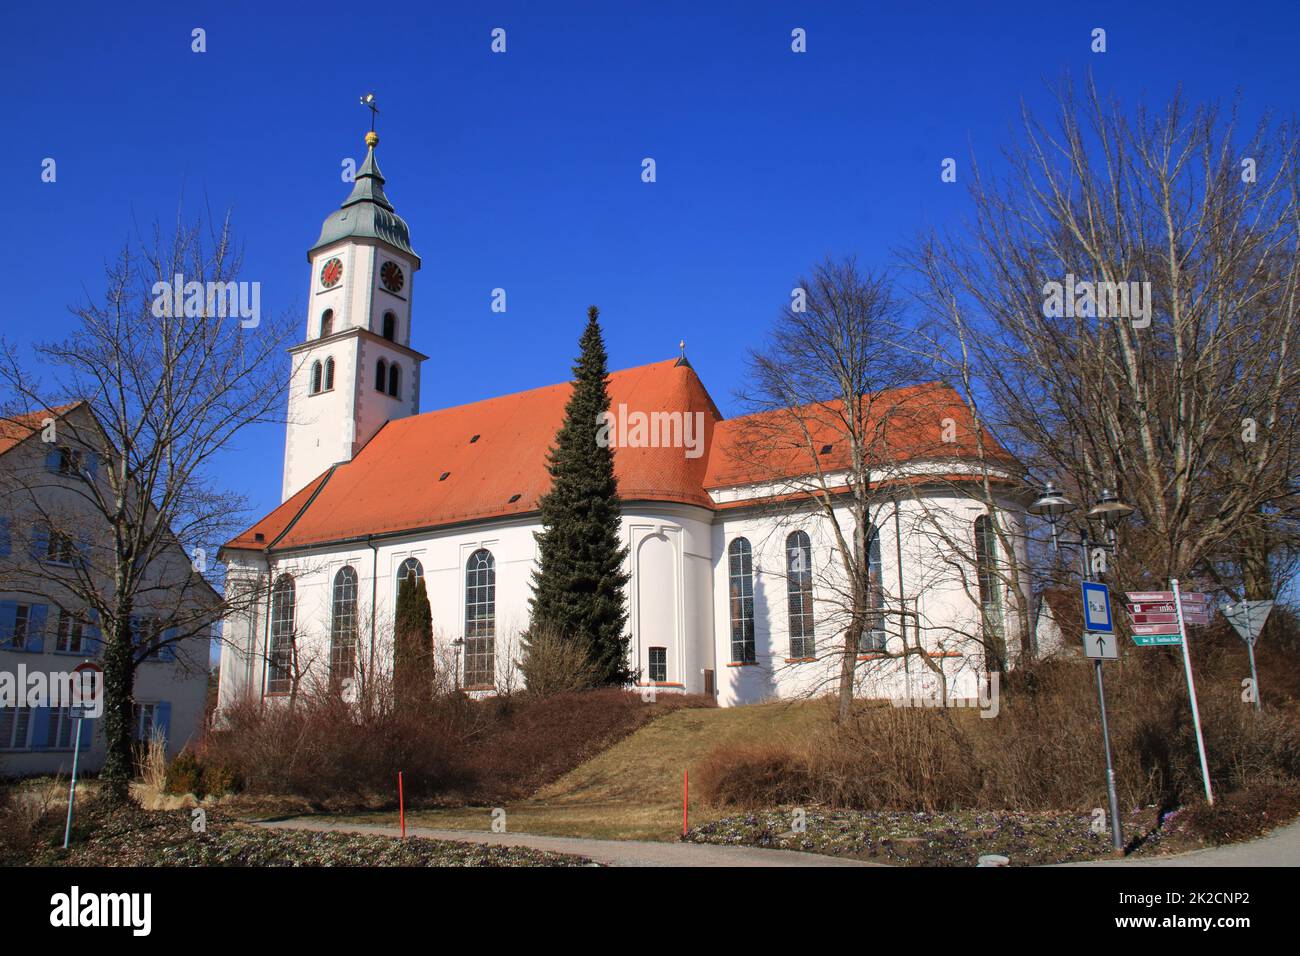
(72, 789)
(1250, 649)
(1116, 831)
(1191, 692)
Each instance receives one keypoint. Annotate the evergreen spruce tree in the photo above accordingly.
(412, 645)
(579, 581)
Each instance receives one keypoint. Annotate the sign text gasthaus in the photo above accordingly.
(81, 690)
(134, 910)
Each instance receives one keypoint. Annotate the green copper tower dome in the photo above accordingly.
(367, 213)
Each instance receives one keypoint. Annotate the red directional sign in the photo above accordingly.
(1143, 597)
(1170, 618)
(1155, 629)
(1152, 607)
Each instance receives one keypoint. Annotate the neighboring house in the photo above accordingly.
(49, 533)
(726, 597)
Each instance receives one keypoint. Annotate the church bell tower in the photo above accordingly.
(355, 369)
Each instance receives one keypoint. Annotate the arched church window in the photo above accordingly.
(410, 568)
(343, 625)
(390, 326)
(874, 635)
(741, 560)
(329, 373)
(798, 576)
(394, 379)
(381, 375)
(280, 678)
(986, 572)
(480, 618)
(327, 323)
(315, 377)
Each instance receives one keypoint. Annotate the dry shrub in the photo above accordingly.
(1042, 751)
(555, 664)
(25, 811)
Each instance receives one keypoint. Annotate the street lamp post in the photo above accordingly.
(458, 643)
(1110, 511)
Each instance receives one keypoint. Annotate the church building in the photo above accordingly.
(735, 587)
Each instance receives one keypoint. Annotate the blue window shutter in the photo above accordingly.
(8, 621)
(36, 615)
(40, 542)
(87, 734)
(6, 543)
(52, 460)
(168, 653)
(40, 728)
(162, 718)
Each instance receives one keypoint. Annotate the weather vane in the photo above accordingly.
(369, 101)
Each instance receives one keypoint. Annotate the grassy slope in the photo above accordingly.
(633, 790)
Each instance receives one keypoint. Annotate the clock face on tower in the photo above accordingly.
(391, 276)
(331, 273)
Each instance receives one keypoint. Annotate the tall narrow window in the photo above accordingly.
(874, 635)
(986, 570)
(381, 375)
(394, 379)
(658, 665)
(480, 618)
(329, 373)
(798, 576)
(741, 561)
(390, 326)
(411, 568)
(315, 377)
(327, 323)
(343, 625)
(280, 678)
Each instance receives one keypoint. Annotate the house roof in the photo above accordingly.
(431, 470)
(16, 428)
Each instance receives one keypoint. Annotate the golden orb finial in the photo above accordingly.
(372, 139)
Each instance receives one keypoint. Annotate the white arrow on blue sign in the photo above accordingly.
(1096, 608)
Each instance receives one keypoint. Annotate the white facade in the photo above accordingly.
(45, 630)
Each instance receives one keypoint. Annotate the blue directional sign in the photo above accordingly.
(1096, 608)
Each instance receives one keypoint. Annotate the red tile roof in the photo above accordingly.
(13, 429)
(393, 484)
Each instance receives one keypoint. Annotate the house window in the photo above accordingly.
(381, 375)
(15, 723)
(986, 569)
(480, 618)
(327, 323)
(798, 560)
(394, 379)
(17, 639)
(343, 625)
(69, 461)
(329, 373)
(741, 560)
(70, 635)
(59, 548)
(390, 326)
(873, 635)
(281, 651)
(142, 721)
(658, 665)
(59, 734)
(315, 378)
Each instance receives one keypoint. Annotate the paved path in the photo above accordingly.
(1279, 848)
(609, 852)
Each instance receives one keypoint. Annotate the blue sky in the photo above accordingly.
(522, 170)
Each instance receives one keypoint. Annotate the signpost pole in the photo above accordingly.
(72, 788)
(1250, 649)
(1191, 692)
(1116, 832)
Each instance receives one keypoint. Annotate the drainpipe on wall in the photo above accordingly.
(374, 581)
(902, 601)
(266, 640)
